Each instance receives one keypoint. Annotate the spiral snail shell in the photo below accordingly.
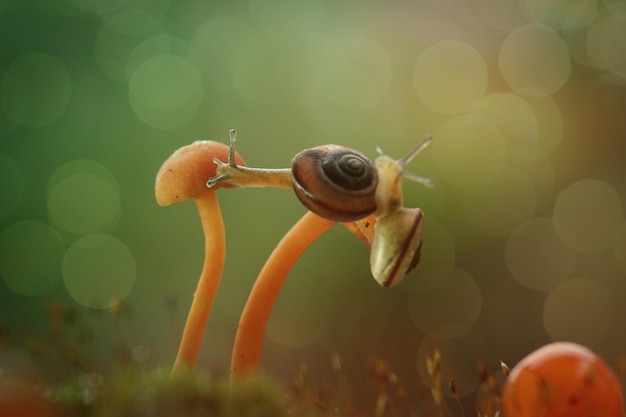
(335, 182)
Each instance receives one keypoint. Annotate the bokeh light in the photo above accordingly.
(604, 47)
(538, 169)
(500, 206)
(11, 187)
(99, 271)
(133, 17)
(35, 89)
(612, 50)
(31, 254)
(154, 46)
(285, 16)
(586, 215)
(537, 257)
(470, 151)
(215, 54)
(563, 16)
(113, 49)
(500, 15)
(534, 60)
(511, 114)
(579, 310)
(449, 76)
(166, 91)
(189, 15)
(83, 197)
(450, 297)
(345, 88)
(577, 45)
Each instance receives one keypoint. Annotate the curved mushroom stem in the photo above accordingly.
(249, 337)
(214, 242)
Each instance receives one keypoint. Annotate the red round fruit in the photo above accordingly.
(562, 379)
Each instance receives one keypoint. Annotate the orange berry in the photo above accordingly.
(562, 379)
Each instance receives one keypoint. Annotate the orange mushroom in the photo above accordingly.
(249, 338)
(562, 379)
(183, 176)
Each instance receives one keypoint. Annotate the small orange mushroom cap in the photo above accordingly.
(185, 173)
(562, 379)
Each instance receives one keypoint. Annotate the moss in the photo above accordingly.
(152, 394)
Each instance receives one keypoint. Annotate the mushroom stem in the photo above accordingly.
(249, 337)
(214, 242)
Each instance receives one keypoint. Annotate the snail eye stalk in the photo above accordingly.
(409, 157)
(403, 161)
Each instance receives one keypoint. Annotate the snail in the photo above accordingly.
(334, 182)
(397, 242)
(343, 185)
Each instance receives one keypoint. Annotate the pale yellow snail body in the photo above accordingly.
(397, 242)
(343, 185)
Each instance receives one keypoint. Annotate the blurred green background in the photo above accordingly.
(525, 237)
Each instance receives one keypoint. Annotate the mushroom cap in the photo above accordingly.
(185, 173)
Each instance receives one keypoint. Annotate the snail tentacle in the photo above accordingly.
(415, 151)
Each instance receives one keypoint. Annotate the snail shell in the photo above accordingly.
(397, 245)
(335, 182)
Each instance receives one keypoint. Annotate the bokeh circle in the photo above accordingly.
(99, 271)
(36, 89)
(579, 310)
(31, 254)
(534, 60)
(586, 215)
(166, 91)
(449, 76)
(83, 202)
(537, 257)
